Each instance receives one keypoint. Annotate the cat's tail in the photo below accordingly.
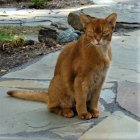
(29, 95)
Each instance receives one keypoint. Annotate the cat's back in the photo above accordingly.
(64, 56)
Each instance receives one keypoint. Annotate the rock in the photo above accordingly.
(60, 25)
(74, 20)
(3, 70)
(50, 42)
(54, 33)
(29, 42)
(57, 33)
(83, 2)
(47, 32)
(67, 36)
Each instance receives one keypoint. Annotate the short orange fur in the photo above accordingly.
(80, 71)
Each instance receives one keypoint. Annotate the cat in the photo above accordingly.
(80, 71)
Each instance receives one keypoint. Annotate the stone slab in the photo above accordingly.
(108, 96)
(126, 58)
(43, 69)
(128, 96)
(117, 126)
(20, 118)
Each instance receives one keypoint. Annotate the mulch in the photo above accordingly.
(51, 4)
(11, 56)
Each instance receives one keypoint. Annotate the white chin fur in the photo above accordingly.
(101, 43)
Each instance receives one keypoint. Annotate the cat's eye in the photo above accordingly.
(104, 33)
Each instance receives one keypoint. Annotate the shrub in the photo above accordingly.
(39, 3)
(14, 40)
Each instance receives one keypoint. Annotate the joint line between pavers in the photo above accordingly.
(21, 79)
(26, 88)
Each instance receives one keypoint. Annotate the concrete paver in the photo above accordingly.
(126, 62)
(108, 96)
(19, 118)
(42, 69)
(117, 126)
(128, 96)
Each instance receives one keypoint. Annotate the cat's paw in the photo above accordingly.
(67, 112)
(85, 116)
(95, 113)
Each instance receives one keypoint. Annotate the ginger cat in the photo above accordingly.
(80, 71)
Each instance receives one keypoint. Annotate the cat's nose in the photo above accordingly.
(98, 38)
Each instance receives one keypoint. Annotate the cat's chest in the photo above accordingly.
(98, 74)
(96, 79)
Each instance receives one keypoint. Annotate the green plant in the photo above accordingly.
(39, 3)
(16, 40)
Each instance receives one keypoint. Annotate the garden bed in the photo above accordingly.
(13, 55)
(50, 4)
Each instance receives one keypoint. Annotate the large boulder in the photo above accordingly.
(74, 19)
(58, 33)
(47, 32)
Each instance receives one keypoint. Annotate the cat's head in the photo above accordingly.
(98, 32)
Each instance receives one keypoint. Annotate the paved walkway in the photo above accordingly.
(119, 102)
(32, 17)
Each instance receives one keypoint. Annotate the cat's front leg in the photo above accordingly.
(81, 92)
(93, 108)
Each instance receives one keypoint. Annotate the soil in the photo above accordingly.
(20, 30)
(51, 4)
(11, 57)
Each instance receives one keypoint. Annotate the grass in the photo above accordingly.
(9, 37)
(19, 30)
(15, 34)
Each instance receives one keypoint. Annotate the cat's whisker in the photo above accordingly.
(90, 44)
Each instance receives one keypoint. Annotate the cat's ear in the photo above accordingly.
(84, 20)
(111, 19)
